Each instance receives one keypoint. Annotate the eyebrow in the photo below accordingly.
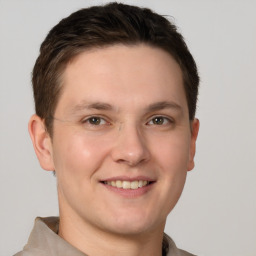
(164, 105)
(95, 105)
(108, 107)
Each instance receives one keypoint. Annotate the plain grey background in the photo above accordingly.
(216, 214)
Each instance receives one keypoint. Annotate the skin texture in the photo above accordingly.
(141, 130)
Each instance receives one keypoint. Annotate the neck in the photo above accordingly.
(94, 241)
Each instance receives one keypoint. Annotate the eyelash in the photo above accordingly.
(98, 119)
(165, 120)
(88, 119)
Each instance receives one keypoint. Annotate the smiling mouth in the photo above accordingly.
(128, 184)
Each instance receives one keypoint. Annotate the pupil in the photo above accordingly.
(158, 120)
(94, 120)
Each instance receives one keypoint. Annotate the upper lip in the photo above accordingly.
(127, 178)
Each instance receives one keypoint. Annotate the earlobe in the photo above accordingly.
(42, 142)
(194, 134)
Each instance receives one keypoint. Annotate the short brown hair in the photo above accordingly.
(100, 26)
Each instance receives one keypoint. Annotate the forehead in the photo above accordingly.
(116, 74)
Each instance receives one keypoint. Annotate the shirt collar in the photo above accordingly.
(44, 241)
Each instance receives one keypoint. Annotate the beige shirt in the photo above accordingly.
(44, 241)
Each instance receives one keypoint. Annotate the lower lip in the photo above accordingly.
(130, 193)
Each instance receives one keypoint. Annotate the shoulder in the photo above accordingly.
(173, 250)
(30, 252)
(40, 237)
(184, 253)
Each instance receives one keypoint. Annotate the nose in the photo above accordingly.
(130, 147)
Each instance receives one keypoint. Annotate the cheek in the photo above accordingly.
(78, 154)
(171, 157)
(77, 158)
(173, 154)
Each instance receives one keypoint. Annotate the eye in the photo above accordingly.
(95, 120)
(160, 120)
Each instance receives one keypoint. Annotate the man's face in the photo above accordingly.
(122, 141)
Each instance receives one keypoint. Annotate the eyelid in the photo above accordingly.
(87, 118)
(168, 118)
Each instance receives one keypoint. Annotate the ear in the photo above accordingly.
(42, 142)
(192, 151)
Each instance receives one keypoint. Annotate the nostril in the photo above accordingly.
(132, 162)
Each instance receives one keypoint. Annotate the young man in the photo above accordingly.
(115, 91)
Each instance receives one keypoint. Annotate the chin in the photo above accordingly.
(134, 225)
(130, 230)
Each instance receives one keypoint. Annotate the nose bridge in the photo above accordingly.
(130, 147)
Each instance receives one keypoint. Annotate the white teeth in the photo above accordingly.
(127, 184)
(119, 184)
(134, 184)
